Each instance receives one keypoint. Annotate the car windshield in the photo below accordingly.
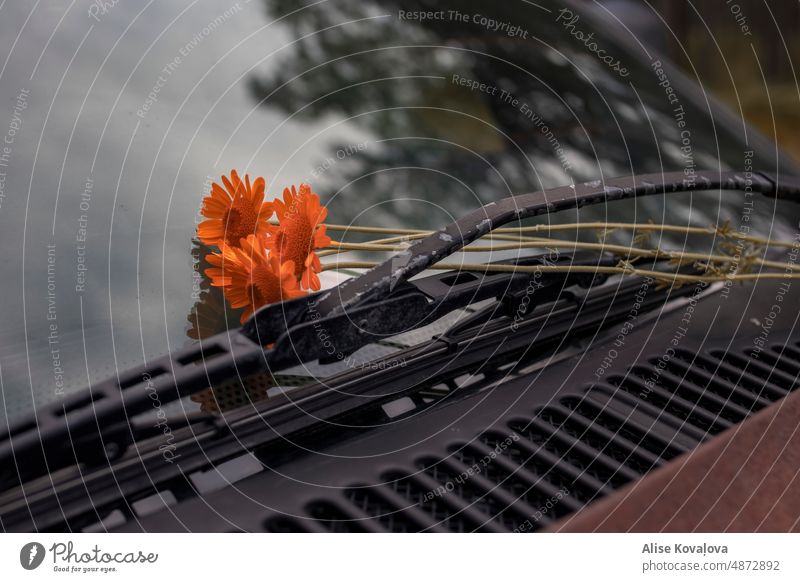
(400, 114)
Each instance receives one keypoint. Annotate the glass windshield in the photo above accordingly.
(401, 114)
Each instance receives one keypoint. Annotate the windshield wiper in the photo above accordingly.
(95, 425)
(488, 347)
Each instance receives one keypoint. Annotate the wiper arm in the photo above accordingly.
(381, 280)
(94, 424)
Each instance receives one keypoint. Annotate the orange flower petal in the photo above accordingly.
(299, 232)
(235, 211)
(249, 277)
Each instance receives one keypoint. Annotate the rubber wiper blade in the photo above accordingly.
(93, 426)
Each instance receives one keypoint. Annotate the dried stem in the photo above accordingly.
(679, 257)
(624, 269)
(724, 231)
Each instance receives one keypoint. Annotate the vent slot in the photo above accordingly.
(622, 431)
(679, 384)
(372, 504)
(781, 363)
(761, 373)
(436, 507)
(142, 378)
(789, 352)
(511, 482)
(712, 378)
(19, 429)
(738, 376)
(284, 525)
(333, 519)
(595, 464)
(459, 279)
(201, 354)
(550, 470)
(669, 403)
(472, 495)
(80, 403)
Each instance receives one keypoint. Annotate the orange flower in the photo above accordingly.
(299, 232)
(235, 212)
(249, 278)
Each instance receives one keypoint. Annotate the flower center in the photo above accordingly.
(265, 287)
(240, 221)
(295, 243)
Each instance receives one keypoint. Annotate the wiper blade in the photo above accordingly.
(93, 426)
(380, 303)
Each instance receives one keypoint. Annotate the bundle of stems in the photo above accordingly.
(741, 258)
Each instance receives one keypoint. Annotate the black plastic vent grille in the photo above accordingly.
(567, 454)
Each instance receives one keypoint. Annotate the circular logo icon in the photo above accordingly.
(31, 555)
